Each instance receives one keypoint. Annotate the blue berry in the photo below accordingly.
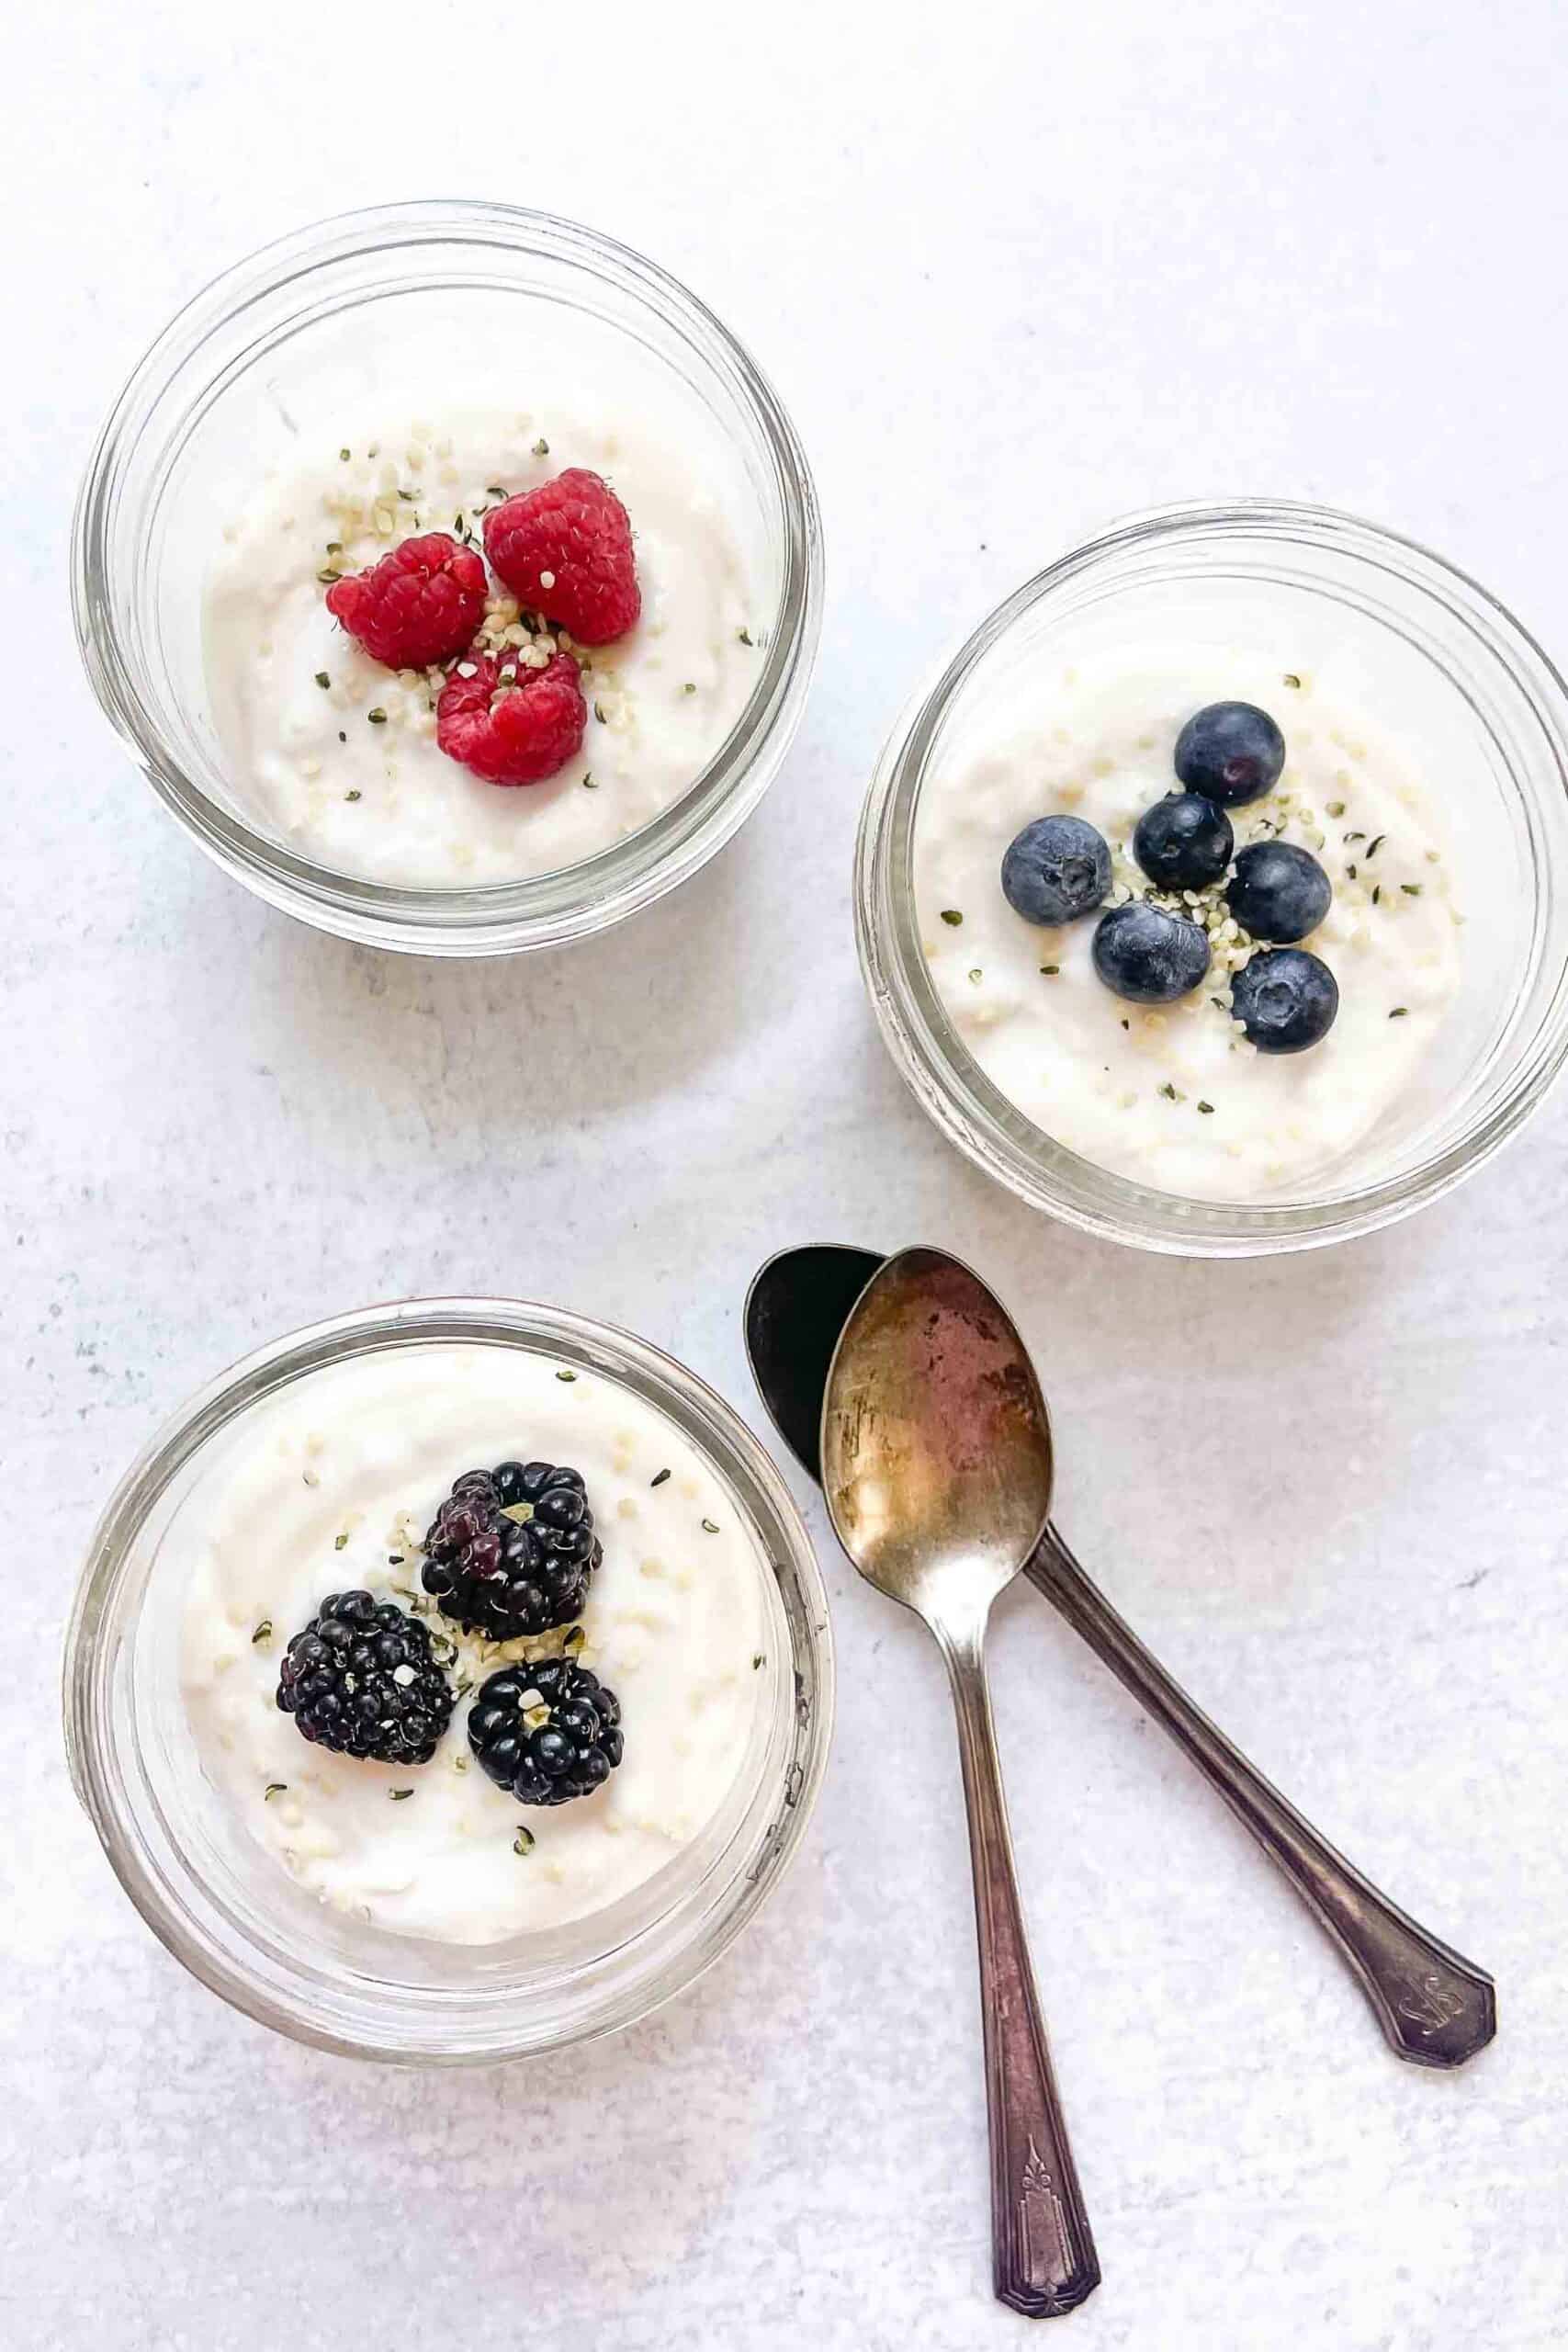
(1183, 842)
(1147, 955)
(1056, 868)
(1285, 999)
(1280, 892)
(1230, 751)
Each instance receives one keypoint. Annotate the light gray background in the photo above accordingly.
(1014, 269)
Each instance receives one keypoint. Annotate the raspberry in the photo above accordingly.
(565, 551)
(512, 733)
(420, 605)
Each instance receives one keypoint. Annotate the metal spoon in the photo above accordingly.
(1434, 2007)
(936, 1465)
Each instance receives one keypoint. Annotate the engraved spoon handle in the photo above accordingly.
(1435, 2008)
(1043, 2261)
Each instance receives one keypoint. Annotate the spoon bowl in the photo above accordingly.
(936, 1442)
(795, 1311)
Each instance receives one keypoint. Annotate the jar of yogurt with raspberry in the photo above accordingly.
(454, 576)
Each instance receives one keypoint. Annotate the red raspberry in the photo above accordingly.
(512, 733)
(420, 605)
(565, 551)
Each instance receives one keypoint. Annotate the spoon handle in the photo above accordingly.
(1434, 2007)
(1043, 2261)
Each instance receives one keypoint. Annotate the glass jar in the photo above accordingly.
(317, 324)
(222, 1902)
(1454, 675)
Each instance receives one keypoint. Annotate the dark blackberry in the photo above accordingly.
(361, 1678)
(511, 1549)
(547, 1732)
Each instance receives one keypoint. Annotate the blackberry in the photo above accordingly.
(361, 1678)
(546, 1733)
(511, 1549)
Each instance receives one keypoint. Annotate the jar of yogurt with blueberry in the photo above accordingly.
(1190, 945)
(1298, 961)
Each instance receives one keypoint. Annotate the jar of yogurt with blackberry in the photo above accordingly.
(451, 1681)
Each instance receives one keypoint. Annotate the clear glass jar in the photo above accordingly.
(220, 1901)
(1453, 674)
(334, 311)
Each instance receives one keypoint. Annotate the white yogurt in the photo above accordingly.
(378, 797)
(1174, 1096)
(331, 1486)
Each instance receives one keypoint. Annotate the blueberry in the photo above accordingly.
(1056, 868)
(1280, 892)
(1230, 751)
(1149, 956)
(1285, 999)
(1183, 841)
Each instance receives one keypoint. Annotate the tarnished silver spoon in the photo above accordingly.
(936, 1466)
(1434, 2007)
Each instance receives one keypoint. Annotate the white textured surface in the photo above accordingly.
(1014, 268)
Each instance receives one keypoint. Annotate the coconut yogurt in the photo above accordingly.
(338, 756)
(1176, 1098)
(330, 1486)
